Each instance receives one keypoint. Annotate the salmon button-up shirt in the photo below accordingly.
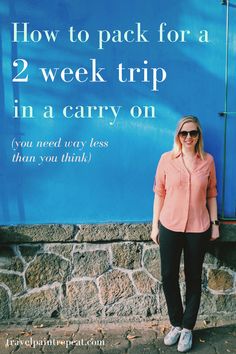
(185, 193)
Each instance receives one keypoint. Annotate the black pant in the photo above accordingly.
(194, 246)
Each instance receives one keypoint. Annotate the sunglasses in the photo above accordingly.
(192, 133)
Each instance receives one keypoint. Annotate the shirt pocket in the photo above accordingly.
(201, 179)
(173, 178)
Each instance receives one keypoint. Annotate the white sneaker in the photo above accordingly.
(172, 337)
(185, 341)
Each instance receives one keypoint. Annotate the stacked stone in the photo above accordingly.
(99, 272)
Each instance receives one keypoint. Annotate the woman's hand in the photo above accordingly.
(155, 234)
(215, 233)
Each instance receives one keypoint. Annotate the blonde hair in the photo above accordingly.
(177, 148)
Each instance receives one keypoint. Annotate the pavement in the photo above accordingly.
(116, 338)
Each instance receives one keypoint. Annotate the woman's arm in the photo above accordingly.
(157, 206)
(212, 207)
(160, 192)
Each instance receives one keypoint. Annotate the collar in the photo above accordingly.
(180, 154)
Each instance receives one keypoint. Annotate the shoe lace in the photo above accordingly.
(173, 331)
(186, 336)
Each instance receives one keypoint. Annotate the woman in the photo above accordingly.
(184, 218)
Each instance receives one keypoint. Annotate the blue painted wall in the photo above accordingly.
(116, 185)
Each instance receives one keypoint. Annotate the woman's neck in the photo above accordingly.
(188, 153)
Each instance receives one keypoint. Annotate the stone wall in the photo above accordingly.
(102, 273)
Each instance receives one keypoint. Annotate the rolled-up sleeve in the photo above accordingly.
(211, 188)
(159, 181)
